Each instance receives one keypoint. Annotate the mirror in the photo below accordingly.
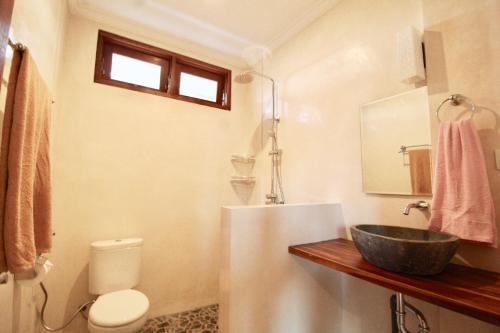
(396, 145)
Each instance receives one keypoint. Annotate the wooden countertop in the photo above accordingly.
(471, 291)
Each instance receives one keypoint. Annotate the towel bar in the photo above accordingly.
(403, 149)
(19, 47)
(16, 46)
(457, 99)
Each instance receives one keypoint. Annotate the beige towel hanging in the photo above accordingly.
(25, 184)
(420, 171)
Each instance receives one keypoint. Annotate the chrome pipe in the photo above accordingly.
(400, 313)
(401, 306)
(422, 323)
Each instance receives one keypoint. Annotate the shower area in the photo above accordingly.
(265, 156)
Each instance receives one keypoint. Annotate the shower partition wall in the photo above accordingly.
(260, 281)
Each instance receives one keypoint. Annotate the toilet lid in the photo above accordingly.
(118, 308)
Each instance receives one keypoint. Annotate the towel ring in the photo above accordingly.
(457, 99)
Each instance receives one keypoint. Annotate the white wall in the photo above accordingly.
(464, 48)
(7, 304)
(348, 57)
(130, 164)
(39, 25)
(265, 289)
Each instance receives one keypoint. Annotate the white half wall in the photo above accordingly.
(7, 304)
(263, 288)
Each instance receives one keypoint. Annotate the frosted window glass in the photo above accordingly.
(135, 71)
(198, 87)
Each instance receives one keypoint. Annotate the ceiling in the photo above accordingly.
(229, 26)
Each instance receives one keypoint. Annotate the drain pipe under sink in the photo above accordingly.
(398, 313)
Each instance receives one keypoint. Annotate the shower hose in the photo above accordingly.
(80, 309)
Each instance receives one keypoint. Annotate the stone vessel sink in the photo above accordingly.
(405, 250)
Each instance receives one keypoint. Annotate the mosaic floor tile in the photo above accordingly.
(202, 320)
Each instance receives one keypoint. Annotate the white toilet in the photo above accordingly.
(113, 270)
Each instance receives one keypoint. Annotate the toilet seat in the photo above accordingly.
(118, 308)
(134, 327)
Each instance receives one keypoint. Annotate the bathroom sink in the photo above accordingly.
(405, 250)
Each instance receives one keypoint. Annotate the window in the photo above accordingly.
(198, 87)
(139, 72)
(125, 63)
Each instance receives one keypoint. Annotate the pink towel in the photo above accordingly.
(25, 188)
(462, 204)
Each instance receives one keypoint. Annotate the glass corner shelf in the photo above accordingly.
(243, 180)
(243, 158)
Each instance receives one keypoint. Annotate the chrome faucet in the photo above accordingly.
(419, 204)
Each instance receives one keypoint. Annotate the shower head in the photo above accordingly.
(248, 76)
(244, 77)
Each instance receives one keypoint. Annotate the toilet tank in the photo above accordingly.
(114, 265)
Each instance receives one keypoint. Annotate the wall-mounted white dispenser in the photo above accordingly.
(36, 275)
(410, 55)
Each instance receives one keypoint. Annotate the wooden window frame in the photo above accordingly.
(172, 65)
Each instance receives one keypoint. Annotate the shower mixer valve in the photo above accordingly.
(276, 152)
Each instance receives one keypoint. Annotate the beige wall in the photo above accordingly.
(129, 164)
(39, 25)
(463, 38)
(132, 164)
(347, 58)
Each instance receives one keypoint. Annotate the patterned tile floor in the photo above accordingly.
(202, 320)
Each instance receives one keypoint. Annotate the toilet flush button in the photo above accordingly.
(497, 158)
